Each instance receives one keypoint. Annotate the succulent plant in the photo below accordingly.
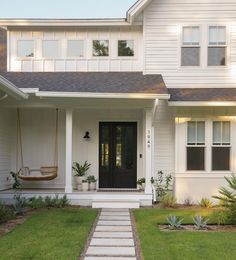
(174, 222)
(200, 222)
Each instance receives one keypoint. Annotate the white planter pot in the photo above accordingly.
(92, 185)
(79, 179)
(141, 187)
(85, 186)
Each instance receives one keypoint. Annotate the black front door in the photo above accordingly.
(117, 155)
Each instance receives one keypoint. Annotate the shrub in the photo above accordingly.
(200, 222)
(205, 203)
(168, 201)
(188, 202)
(162, 183)
(6, 213)
(48, 202)
(227, 198)
(221, 217)
(174, 222)
(19, 204)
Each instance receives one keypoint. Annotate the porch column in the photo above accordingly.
(69, 124)
(147, 126)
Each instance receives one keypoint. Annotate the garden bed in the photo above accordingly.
(192, 228)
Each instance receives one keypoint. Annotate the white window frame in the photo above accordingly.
(59, 50)
(126, 57)
(109, 49)
(22, 57)
(76, 57)
(195, 145)
(226, 46)
(182, 45)
(221, 145)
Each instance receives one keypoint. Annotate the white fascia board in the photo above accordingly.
(10, 89)
(62, 22)
(136, 9)
(202, 103)
(101, 95)
(30, 90)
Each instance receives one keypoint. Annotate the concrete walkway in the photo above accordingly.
(113, 237)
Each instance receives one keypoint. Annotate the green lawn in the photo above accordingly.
(49, 234)
(181, 245)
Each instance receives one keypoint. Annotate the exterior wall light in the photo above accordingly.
(86, 136)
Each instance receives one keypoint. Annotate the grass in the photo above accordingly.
(181, 245)
(49, 234)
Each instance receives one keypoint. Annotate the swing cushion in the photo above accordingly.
(45, 173)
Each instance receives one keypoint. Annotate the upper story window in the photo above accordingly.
(196, 146)
(25, 48)
(221, 146)
(125, 48)
(100, 48)
(217, 46)
(190, 51)
(75, 48)
(50, 49)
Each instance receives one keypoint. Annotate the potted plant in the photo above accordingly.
(80, 171)
(141, 183)
(85, 185)
(92, 182)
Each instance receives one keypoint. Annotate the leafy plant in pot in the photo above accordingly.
(92, 182)
(80, 171)
(141, 183)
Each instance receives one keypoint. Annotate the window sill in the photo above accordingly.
(202, 174)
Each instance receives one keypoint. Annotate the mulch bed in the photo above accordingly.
(11, 224)
(210, 228)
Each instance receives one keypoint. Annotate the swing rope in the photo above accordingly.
(46, 172)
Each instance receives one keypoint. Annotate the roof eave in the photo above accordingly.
(202, 103)
(12, 23)
(50, 94)
(10, 89)
(136, 9)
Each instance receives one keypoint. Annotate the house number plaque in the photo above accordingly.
(148, 138)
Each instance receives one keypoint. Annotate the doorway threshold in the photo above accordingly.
(118, 190)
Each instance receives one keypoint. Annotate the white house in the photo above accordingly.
(154, 91)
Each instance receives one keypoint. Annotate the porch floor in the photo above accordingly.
(83, 198)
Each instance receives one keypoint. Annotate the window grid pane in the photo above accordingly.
(100, 48)
(191, 35)
(50, 49)
(75, 48)
(25, 48)
(216, 56)
(217, 35)
(190, 56)
(196, 133)
(125, 48)
(221, 133)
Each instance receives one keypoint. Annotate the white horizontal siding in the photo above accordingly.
(88, 62)
(163, 20)
(164, 139)
(5, 148)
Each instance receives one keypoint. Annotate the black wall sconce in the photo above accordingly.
(86, 136)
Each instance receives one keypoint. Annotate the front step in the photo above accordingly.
(116, 204)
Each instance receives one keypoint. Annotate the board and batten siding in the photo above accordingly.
(84, 64)
(163, 22)
(5, 148)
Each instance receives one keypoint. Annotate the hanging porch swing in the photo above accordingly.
(44, 173)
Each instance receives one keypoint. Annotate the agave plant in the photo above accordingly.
(174, 222)
(200, 222)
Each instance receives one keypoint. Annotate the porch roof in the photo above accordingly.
(202, 94)
(88, 82)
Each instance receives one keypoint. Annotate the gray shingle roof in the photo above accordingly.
(202, 94)
(97, 82)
